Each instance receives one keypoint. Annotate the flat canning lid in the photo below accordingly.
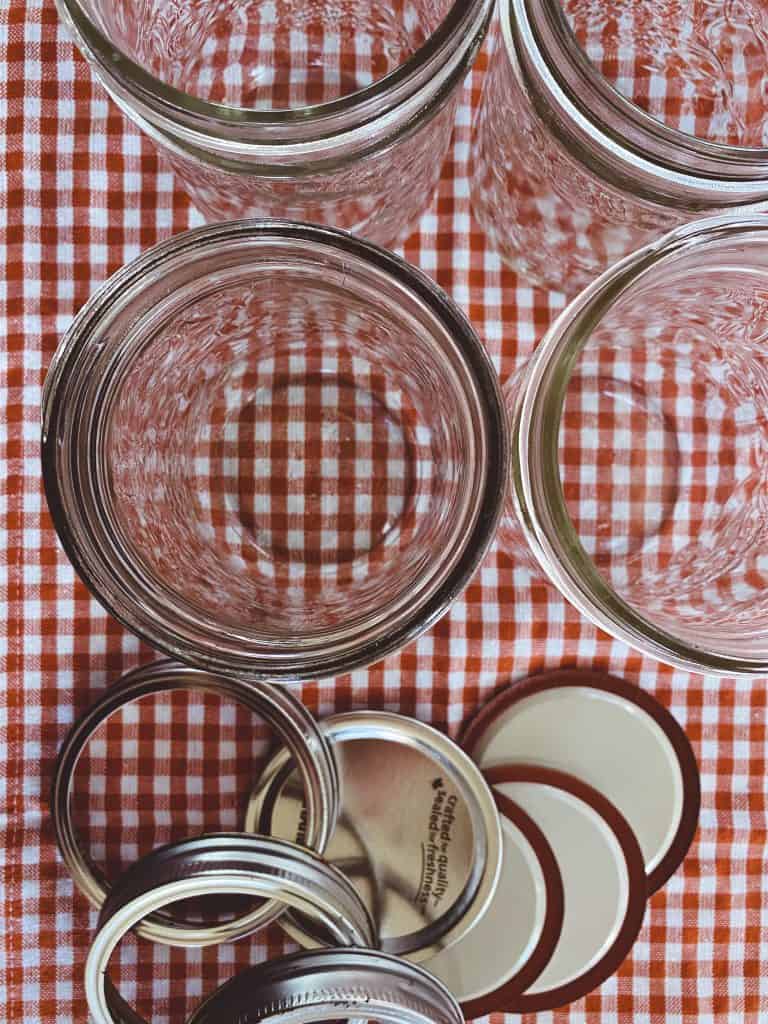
(418, 831)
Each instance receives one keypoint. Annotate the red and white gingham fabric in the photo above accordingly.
(696, 66)
(81, 192)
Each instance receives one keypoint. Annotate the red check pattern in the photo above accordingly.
(81, 192)
(313, 486)
(695, 66)
(309, 467)
(274, 55)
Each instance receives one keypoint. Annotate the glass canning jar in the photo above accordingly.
(602, 126)
(273, 450)
(338, 112)
(639, 469)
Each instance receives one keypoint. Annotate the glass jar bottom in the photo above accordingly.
(306, 469)
(619, 464)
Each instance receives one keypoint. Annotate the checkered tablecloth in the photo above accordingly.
(81, 192)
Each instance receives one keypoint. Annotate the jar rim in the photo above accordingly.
(629, 140)
(460, 19)
(78, 519)
(535, 479)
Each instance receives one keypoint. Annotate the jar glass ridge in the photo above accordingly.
(335, 113)
(569, 174)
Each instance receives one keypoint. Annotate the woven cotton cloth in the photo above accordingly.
(81, 193)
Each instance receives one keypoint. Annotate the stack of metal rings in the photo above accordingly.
(365, 964)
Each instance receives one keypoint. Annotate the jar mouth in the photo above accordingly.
(90, 436)
(463, 18)
(598, 113)
(536, 480)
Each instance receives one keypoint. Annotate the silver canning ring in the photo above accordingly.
(331, 984)
(227, 864)
(291, 721)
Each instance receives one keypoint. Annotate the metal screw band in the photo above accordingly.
(236, 864)
(332, 984)
(291, 721)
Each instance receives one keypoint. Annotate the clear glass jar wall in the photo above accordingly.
(602, 126)
(273, 450)
(640, 441)
(335, 112)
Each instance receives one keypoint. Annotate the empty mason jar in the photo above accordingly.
(273, 450)
(639, 474)
(338, 112)
(603, 125)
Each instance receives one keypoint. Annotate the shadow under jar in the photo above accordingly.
(338, 112)
(273, 450)
(639, 463)
(603, 125)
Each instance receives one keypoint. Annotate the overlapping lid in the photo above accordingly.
(510, 946)
(608, 778)
(603, 874)
(418, 830)
(611, 734)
